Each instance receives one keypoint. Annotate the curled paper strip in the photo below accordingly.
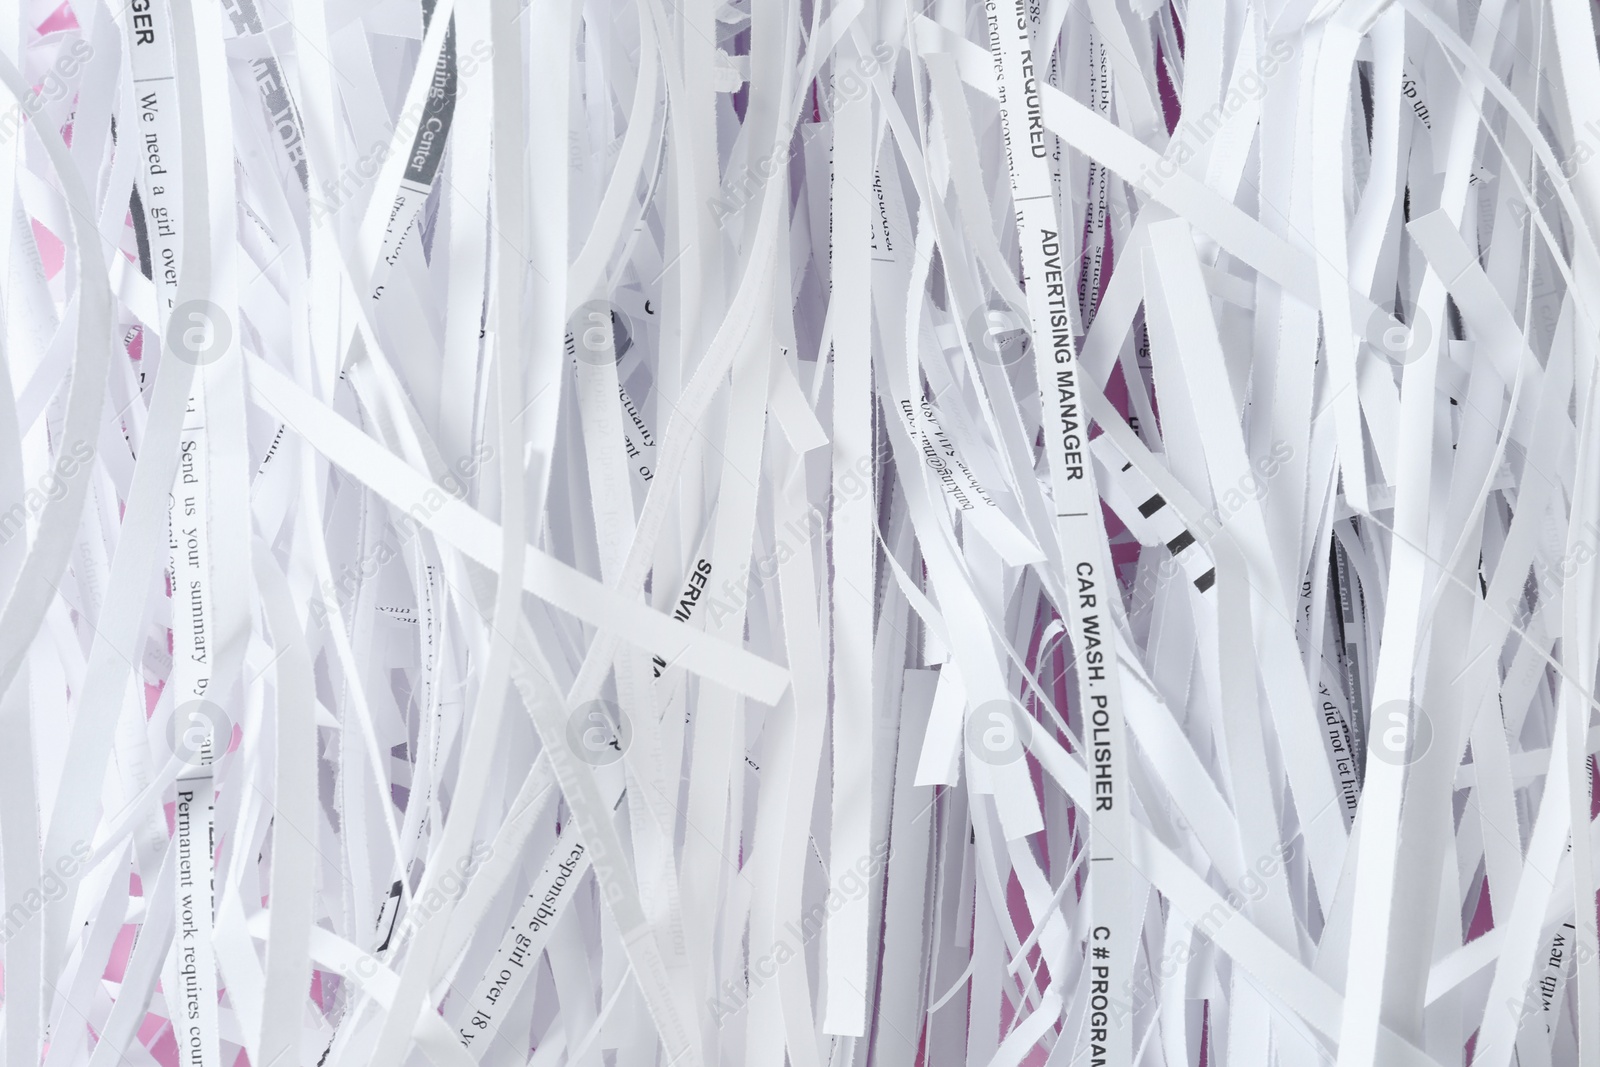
(988, 532)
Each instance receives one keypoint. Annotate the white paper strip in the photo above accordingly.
(628, 533)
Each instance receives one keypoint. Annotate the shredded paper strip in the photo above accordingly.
(799, 533)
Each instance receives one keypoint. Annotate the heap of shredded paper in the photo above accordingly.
(799, 533)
